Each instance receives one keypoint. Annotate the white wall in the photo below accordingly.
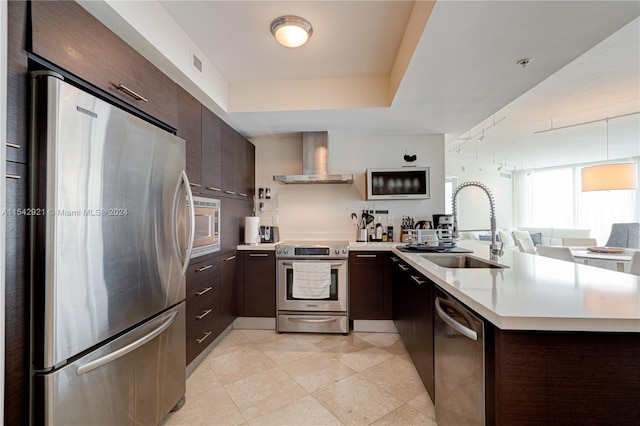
(473, 204)
(323, 212)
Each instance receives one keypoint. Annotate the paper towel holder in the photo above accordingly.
(252, 230)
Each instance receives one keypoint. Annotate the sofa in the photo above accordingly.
(540, 236)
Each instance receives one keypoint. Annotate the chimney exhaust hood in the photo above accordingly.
(315, 154)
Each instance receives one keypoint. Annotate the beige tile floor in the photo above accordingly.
(260, 377)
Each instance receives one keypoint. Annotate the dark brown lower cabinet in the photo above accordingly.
(413, 317)
(256, 283)
(228, 293)
(369, 286)
(531, 377)
(203, 298)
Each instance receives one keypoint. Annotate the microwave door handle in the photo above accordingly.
(183, 181)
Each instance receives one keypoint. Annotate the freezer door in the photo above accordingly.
(111, 233)
(134, 380)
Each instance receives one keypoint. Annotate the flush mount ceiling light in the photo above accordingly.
(291, 31)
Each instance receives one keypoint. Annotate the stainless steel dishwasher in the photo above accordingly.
(459, 364)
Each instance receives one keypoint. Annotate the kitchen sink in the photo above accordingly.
(459, 261)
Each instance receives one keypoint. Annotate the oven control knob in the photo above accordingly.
(286, 251)
(279, 250)
(344, 251)
(337, 251)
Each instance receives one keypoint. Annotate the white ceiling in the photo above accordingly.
(462, 75)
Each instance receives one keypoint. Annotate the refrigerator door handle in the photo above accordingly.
(97, 363)
(183, 181)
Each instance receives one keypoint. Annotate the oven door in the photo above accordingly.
(337, 300)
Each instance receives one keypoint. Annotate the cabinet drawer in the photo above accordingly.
(202, 302)
(67, 35)
(204, 271)
(203, 319)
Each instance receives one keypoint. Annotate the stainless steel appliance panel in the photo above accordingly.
(459, 364)
(135, 379)
(113, 200)
(206, 226)
(298, 322)
(339, 278)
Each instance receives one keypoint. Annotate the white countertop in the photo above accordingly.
(261, 246)
(533, 292)
(539, 293)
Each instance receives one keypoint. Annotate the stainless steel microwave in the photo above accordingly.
(404, 183)
(207, 226)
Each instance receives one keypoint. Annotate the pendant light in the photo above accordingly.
(609, 177)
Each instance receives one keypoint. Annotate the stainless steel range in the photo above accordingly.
(313, 286)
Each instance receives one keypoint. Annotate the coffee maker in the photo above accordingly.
(269, 234)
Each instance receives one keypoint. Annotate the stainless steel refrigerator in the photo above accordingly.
(111, 240)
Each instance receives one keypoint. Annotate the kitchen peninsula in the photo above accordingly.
(561, 340)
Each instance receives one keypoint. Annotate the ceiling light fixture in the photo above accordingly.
(481, 138)
(291, 31)
(609, 177)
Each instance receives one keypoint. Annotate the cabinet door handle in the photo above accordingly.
(229, 192)
(259, 255)
(200, 293)
(203, 338)
(404, 268)
(243, 194)
(394, 259)
(211, 188)
(8, 176)
(229, 259)
(204, 268)
(204, 314)
(13, 145)
(366, 255)
(195, 185)
(417, 280)
(131, 93)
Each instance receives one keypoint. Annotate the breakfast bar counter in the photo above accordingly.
(532, 292)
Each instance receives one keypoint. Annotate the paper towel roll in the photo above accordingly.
(252, 230)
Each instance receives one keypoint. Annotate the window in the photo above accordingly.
(450, 183)
(553, 198)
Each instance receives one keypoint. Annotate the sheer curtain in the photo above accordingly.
(523, 197)
(553, 198)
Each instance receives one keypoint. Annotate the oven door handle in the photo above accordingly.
(313, 320)
(333, 265)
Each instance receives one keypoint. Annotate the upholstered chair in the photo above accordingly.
(626, 235)
(635, 263)
(579, 242)
(557, 252)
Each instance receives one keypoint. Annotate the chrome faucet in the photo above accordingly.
(495, 251)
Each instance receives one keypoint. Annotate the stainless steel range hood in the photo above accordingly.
(315, 154)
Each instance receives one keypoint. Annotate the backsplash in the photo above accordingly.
(322, 212)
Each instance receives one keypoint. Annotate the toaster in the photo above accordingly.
(269, 234)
